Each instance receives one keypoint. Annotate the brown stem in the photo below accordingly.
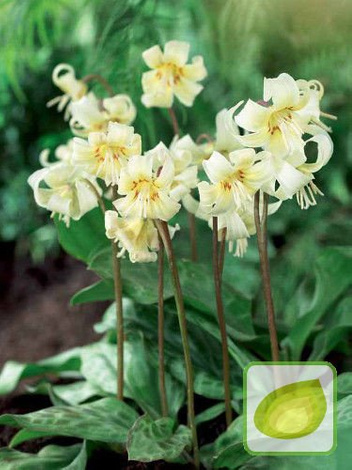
(261, 227)
(119, 312)
(165, 235)
(162, 388)
(222, 325)
(101, 80)
(193, 236)
(174, 121)
(222, 251)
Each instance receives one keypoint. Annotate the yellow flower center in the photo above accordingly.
(277, 118)
(171, 72)
(101, 152)
(145, 188)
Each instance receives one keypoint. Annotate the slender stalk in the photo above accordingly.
(162, 388)
(101, 80)
(174, 121)
(165, 235)
(222, 251)
(222, 325)
(193, 236)
(262, 238)
(118, 295)
(119, 311)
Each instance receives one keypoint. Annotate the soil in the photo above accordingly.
(36, 321)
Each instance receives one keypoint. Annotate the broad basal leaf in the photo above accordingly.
(150, 440)
(106, 420)
(49, 458)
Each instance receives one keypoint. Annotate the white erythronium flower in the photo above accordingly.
(63, 153)
(146, 191)
(233, 181)
(227, 132)
(185, 177)
(294, 176)
(171, 75)
(276, 125)
(240, 225)
(139, 237)
(105, 153)
(199, 152)
(62, 189)
(64, 78)
(89, 114)
(315, 90)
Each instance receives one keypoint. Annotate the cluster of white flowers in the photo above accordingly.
(269, 155)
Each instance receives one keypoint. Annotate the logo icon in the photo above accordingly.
(290, 408)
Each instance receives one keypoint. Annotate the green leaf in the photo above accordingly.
(210, 413)
(83, 237)
(336, 328)
(70, 394)
(150, 440)
(228, 448)
(101, 290)
(344, 383)
(49, 458)
(333, 276)
(106, 420)
(13, 371)
(198, 291)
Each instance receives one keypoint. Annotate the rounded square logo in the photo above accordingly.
(289, 408)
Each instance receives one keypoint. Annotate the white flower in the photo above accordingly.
(232, 182)
(137, 236)
(315, 92)
(146, 191)
(105, 153)
(62, 152)
(185, 177)
(294, 175)
(199, 152)
(276, 127)
(64, 78)
(120, 108)
(62, 189)
(171, 75)
(240, 225)
(227, 132)
(91, 115)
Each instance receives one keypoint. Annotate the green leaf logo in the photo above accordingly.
(292, 411)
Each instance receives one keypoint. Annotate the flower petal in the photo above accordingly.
(153, 57)
(176, 52)
(283, 91)
(217, 167)
(253, 117)
(195, 71)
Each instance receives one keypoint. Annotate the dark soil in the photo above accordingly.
(36, 321)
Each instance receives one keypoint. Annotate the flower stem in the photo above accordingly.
(222, 251)
(162, 388)
(165, 235)
(119, 311)
(174, 121)
(193, 236)
(262, 238)
(101, 80)
(222, 324)
(118, 294)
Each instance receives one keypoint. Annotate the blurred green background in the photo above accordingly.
(242, 41)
